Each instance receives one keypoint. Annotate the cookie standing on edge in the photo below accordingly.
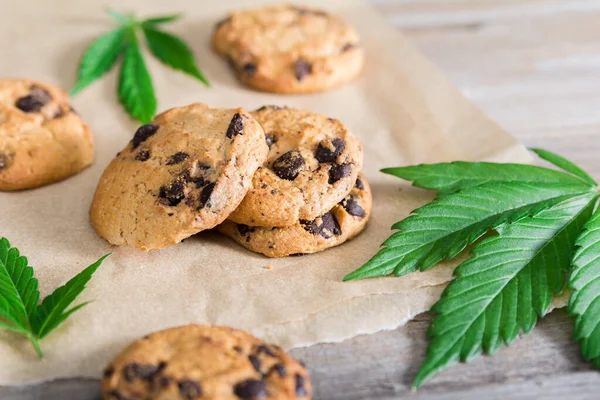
(204, 362)
(42, 140)
(342, 223)
(183, 173)
(288, 49)
(312, 164)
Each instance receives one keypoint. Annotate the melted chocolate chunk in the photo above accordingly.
(281, 370)
(270, 139)
(107, 373)
(189, 389)
(288, 165)
(251, 389)
(236, 126)
(165, 382)
(339, 171)
(348, 47)
(325, 154)
(269, 107)
(263, 348)
(177, 158)
(352, 205)
(326, 227)
(359, 184)
(34, 102)
(237, 349)
(134, 371)
(302, 68)
(245, 229)
(59, 113)
(300, 389)
(3, 161)
(142, 134)
(143, 155)
(173, 193)
(255, 361)
(130, 372)
(117, 396)
(249, 68)
(295, 254)
(223, 22)
(205, 195)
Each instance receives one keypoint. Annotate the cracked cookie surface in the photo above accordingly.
(204, 362)
(343, 222)
(289, 49)
(42, 140)
(183, 173)
(312, 164)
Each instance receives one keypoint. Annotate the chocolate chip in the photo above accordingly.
(165, 382)
(359, 184)
(301, 69)
(142, 134)
(251, 389)
(238, 349)
(73, 110)
(245, 229)
(223, 22)
(173, 193)
(249, 68)
(255, 361)
(34, 102)
(231, 62)
(297, 254)
(108, 372)
(3, 161)
(117, 396)
(59, 113)
(177, 158)
(329, 150)
(281, 370)
(130, 372)
(326, 226)
(270, 139)
(189, 389)
(353, 207)
(339, 171)
(263, 348)
(143, 155)
(236, 126)
(269, 107)
(205, 195)
(300, 389)
(288, 165)
(348, 46)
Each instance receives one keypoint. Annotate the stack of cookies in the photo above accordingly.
(279, 181)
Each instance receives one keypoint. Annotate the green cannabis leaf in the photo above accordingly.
(537, 215)
(19, 295)
(136, 91)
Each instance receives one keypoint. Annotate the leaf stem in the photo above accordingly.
(36, 345)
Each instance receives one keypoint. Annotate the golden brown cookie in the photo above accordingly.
(205, 363)
(289, 49)
(312, 164)
(42, 140)
(342, 223)
(183, 173)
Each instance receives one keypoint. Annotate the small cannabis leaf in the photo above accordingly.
(136, 91)
(510, 279)
(19, 295)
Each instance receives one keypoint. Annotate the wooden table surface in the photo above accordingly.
(533, 66)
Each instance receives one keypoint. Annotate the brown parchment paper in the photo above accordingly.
(402, 109)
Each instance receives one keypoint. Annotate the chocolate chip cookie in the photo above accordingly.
(343, 222)
(204, 362)
(289, 49)
(183, 173)
(312, 164)
(42, 140)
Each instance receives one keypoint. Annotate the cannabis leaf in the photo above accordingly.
(505, 286)
(534, 215)
(136, 91)
(585, 282)
(19, 295)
